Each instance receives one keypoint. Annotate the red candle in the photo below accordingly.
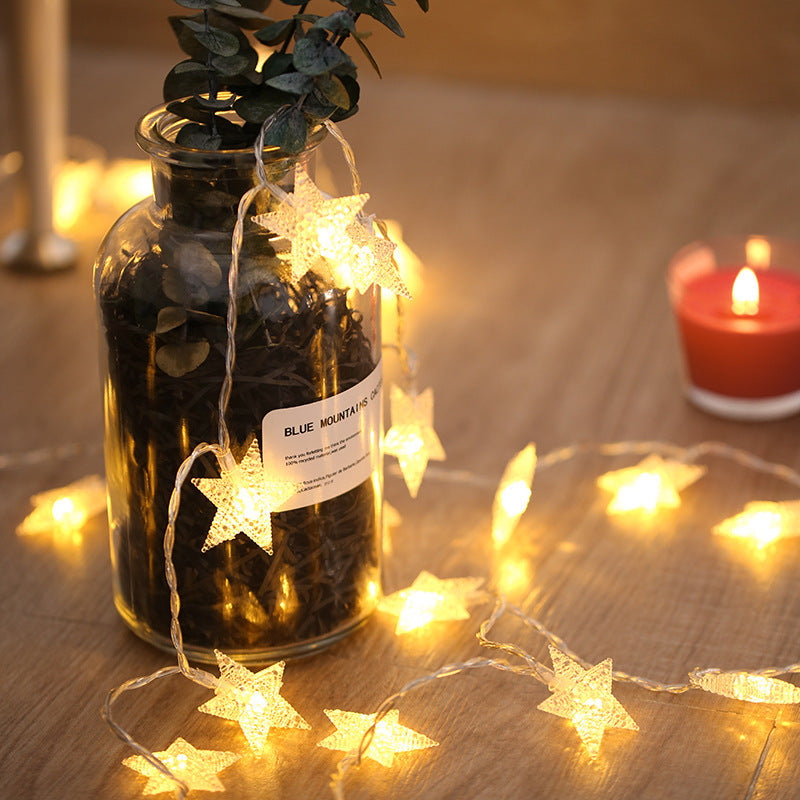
(742, 352)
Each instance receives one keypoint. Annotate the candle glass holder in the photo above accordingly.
(741, 346)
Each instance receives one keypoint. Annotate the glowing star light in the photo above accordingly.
(652, 484)
(371, 260)
(584, 697)
(744, 686)
(253, 700)
(315, 225)
(389, 738)
(64, 511)
(513, 495)
(763, 522)
(244, 499)
(430, 599)
(412, 438)
(196, 768)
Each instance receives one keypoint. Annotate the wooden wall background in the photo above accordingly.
(739, 51)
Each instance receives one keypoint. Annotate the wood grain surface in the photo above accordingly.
(545, 223)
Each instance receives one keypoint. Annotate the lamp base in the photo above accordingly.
(745, 409)
(25, 251)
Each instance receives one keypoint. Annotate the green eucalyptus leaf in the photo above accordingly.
(289, 132)
(276, 64)
(246, 17)
(292, 82)
(365, 50)
(198, 4)
(337, 23)
(294, 2)
(333, 89)
(276, 33)
(196, 261)
(315, 55)
(184, 80)
(170, 317)
(229, 66)
(214, 39)
(186, 39)
(258, 106)
(179, 359)
(198, 136)
(423, 4)
(378, 11)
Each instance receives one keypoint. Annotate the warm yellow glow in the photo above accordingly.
(391, 519)
(389, 737)
(412, 438)
(245, 499)
(253, 700)
(744, 294)
(652, 484)
(196, 768)
(744, 686)
(513, 574)
(763, 522)
(407, 260)
(758, 252)
(513, 494)
(430, 599)
(64, 511)
(584, 697)
(126, 181)
(73, 191)
(372, 590)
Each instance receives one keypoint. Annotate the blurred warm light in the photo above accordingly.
(763, 522)
(652, 484)
(744, 294)
(513, 494)
(73, 191)
(751, 688)
(411, 273)
(125, 182)
(430, 599)
(758, 252)
(512, 575)
(391, 519)
(64, 511)
(389, 736)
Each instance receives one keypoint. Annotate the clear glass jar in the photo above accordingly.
(161, 281)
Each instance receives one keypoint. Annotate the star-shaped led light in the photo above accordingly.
(744, 686)
(196, 768)
(412, 438)
(652, 484)
(513, 494)
(64, 511)
(390, 736)
(763, 522)
(245, 500)
(370, 260)
(315, 225)
(430, 599)
(253, 700)
(584, 697)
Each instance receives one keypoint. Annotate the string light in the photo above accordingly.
(315, 225)
(763, 522)
(388, 738)
(253, 700)
(64, 511)
(652, 484)
(746, 686)
(412, 439)
(431, 599)
(584, 697)
(196, 769)
(513, 494)
(245, 499)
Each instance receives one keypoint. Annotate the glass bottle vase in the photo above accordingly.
(307, 354)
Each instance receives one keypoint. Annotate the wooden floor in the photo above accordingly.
(545, 224)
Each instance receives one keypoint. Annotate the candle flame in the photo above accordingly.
(758, 252)
(744, 295)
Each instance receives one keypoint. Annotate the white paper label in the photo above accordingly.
(330, 446)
